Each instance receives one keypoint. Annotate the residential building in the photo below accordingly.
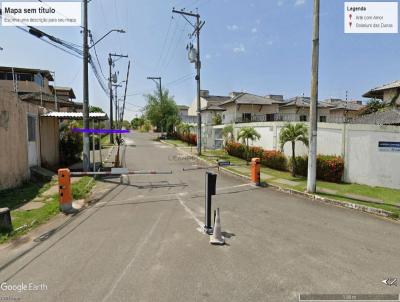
(388, 93)
(298, 109)
(28, 138)
(243, 107)
(344, 111)
(206, 100)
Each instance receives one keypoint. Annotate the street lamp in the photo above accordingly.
(86, 48)
(121, 31)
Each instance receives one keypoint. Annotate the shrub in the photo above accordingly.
(255, 152)
(236, 149)
(190, 138)
(329, 167)
(274, 160)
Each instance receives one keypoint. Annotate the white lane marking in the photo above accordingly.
(190, 212)
(137, 252)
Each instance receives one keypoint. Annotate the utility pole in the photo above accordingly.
(197, 28)
(110, 62)
(86, 143)
(312, 156)
(157, 80)
(112, 80)
(126, 89)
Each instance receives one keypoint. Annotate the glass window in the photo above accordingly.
(246, 117)
(303, 118)
(31, 128)
(322, 119)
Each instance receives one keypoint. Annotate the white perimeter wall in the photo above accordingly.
(357, 144)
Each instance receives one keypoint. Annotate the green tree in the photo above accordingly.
(137, 122)
(95, 109)
(126, 125)
(228, 133)
(162, 113)
(217, 119)
(293, 133)
(247, 134)
(373, 105)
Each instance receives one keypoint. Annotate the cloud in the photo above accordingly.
(240, 49)
(232, 27)
(254, 30)
(299, 2)
(280, 2)
(208, 56)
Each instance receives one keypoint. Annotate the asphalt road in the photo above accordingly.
(141, 243)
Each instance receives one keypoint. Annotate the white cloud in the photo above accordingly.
(232, 27)
(240, 49)
(208, 56)
(280, 2)
(254, 30)
(299, 2)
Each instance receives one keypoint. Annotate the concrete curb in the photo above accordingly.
(343, 204)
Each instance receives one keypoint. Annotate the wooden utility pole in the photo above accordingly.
(312, 156)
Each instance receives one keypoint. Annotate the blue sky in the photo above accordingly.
(259, 46)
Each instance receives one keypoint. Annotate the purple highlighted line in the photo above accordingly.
(99, 131)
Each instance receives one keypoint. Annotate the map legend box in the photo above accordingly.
(371, 18)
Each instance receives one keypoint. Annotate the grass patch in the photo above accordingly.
(177, 143)
(389, 196)
(24, 221)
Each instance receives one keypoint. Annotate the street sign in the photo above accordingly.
(389, 146)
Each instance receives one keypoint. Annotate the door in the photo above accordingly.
(32, 141)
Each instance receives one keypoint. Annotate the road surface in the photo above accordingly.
(141, 243)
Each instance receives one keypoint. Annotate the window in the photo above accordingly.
(303, 118)
(3, 75)
(38, 78)
(270, 117)
(322, 119)
(25, 77)
(31, 128)
(246, 117)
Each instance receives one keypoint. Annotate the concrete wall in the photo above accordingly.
(13, 139)
(14, 166)
(365, 163)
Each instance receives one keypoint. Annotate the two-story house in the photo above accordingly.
(243, 107)
(298, 109)
(388, 93)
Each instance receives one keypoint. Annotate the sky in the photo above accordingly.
(258, 46)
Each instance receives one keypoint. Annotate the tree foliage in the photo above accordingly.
(374, 105)
(228, 133)
(247, 134)
(293, 133)
(162, 113)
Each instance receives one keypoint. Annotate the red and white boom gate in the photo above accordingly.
(65, 189)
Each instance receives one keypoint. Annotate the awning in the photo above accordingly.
(97, 116)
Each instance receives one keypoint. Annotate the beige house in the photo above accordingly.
(344, 111)
(206, 100)
(388, 93)
(27, 139)
(298, 109)
(243, 107)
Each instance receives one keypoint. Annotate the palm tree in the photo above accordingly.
(228, 133)
(246, 134)
(293, 133)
